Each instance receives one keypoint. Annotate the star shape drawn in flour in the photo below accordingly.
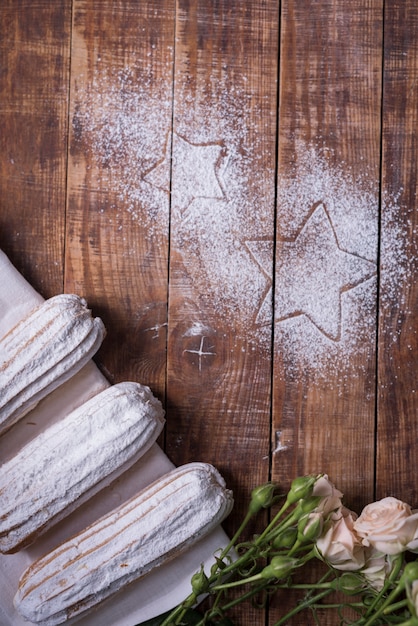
(312, 273)
(262, 253)
(194, 170)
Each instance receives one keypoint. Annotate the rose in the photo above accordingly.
(388, 525)
(330, 496)
(377, 568)
(339, 544)
(412, 545)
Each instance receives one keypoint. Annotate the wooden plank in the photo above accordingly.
(326, 249)
(117, 241)
(221, 247)
(397, 348)
(34, 48)
(328, 223)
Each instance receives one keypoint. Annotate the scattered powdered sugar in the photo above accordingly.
(334, 251)
(325, 300)
(398, 272)
(226, 231)
(219, 174)
(124, 131)
(352, 202)
(312, 273)
(398, 251)
(222, 220)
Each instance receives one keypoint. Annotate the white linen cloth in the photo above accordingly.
(157, 592)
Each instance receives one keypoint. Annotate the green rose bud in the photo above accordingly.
(280, 567)
(200, 582)
(349, 583)
(309, 504)
(262, 497)
(410, 572)
(411, 585)
(310, 527)
(301, 488)
(286, 538)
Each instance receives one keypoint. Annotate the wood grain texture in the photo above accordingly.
(117, 241)
(397, 347)
(222, 216)
(224, 104)
(326, 248)
(232, 187)
(34, 50)
(329, 130)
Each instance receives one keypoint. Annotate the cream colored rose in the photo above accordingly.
(331, 497)
(377, 568)
(339, 544)
(412, 545)
(388, 525)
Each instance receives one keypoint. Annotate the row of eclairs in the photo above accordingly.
(77, 456)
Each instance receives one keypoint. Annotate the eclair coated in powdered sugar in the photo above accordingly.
(150, 529)
(43, 351)
(73, 459)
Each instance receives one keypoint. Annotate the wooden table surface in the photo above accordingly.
(232, 187)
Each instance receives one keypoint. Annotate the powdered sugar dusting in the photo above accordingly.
(223, 221)
(312, 273)
(397, 258)
(398, 272)
(325, 301)
(352, 202)
(220, 213)
(125, 131)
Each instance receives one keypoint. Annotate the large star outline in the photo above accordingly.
(262, 252)
(312, 273)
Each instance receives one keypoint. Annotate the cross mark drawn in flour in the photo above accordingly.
(194, 168)
(313, 271)
(156, 329)
(201, 352)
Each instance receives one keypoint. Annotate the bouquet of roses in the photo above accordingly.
(367, 559)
